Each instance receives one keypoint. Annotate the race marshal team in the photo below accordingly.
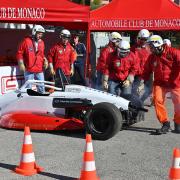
(149, 67)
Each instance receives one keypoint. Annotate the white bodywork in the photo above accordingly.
(19, 100)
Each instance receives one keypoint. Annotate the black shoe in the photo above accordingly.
(177, 128)
(164, 129)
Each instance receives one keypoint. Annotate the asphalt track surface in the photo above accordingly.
(133, 154)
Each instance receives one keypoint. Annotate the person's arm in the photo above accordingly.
(147, 69)
(50, 57)
(132, 71)
(102, 60)
(20, 56)
(105, 77)
(45, 65)
(83, 50)
(73, 57)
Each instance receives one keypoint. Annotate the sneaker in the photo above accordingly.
(177, 128)
(164, 129)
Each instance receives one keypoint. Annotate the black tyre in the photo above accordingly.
(135, 116)
(103, 121)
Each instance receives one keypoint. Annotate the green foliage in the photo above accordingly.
(97, 2)
(93, 6)
(82, 2)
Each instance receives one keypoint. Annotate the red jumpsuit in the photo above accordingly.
(118, 68)
(166, 68)
(33, 59)
(142, 54)
(62, 57)
(105, 52)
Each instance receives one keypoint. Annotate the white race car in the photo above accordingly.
(67, 107)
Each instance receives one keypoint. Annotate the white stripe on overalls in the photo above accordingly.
(28, 157)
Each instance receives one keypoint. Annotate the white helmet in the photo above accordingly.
(143, 34)
(37, 28)
(115, 36)
(167, 41)
(155, 40)
(65, 33)
(123, 48)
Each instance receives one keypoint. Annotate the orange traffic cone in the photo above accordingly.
(88, 171)
(174, 173)
(27, 165)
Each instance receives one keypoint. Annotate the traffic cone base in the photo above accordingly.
(174, 172)
(88, 176)
(88, 171)
(27, 170)
(27, 165)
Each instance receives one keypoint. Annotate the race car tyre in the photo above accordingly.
(135, 116)
(103, 121)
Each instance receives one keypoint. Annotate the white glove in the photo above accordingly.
(126, 83)
(105, 82)
(141, 86)
(105, 85)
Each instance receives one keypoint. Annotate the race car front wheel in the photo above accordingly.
(103, 121)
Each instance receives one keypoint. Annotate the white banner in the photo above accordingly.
(10, 79)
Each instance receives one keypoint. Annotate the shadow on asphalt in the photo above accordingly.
(7, 166)
(75, 134)
(56, 176)
(68, 133)
(152, 131)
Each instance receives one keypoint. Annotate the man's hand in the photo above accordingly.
(126, 83)
(141, 86)
(21, 66)
(51, 69)
(52, 72)
(130, 78)
(45, 65)
(72, 70)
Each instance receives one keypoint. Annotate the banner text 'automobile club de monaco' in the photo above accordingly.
(135, 23)
(22, 13)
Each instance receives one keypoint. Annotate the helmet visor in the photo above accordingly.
(116, 40)
(142, 38)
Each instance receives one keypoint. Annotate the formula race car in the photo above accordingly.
(68, 107)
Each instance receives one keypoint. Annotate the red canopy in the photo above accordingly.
(135, 15)
(56, 12)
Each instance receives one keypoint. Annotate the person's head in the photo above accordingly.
(115, 38)
(167, 42)
(75, 38)
(142, 37)
(156, 44)
(37, 32)
(65, 36)
(123, 49)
